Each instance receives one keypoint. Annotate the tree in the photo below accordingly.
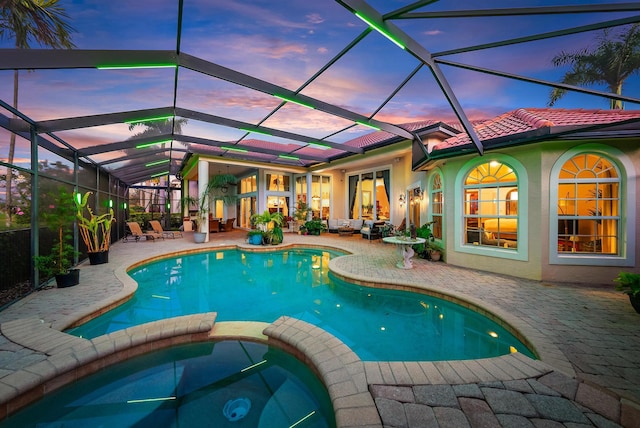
(616, 57)
(158, 127)
(42, 21)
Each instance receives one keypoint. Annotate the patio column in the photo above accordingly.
(203, 180)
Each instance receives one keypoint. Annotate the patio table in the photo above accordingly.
(405, 250)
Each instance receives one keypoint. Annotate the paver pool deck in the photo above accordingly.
(587, 338)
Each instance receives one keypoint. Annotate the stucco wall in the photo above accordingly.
(590, 273)
(530, 268)
(538, 161)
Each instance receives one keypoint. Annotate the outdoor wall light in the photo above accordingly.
(402, 200)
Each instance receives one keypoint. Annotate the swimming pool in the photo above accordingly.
(217, 384)
(377, 324)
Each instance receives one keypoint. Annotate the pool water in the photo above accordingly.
(213, 384)
(377, 324)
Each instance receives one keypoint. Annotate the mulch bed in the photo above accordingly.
(14, 293)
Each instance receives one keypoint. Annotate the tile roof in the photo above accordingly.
(377, 137)
(520, 121)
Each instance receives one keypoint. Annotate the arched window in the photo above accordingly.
(490, 206)
(588, 205)
(436, 201)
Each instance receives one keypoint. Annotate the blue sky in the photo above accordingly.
(285, 42)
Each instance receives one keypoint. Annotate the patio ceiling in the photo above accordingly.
(290, 84)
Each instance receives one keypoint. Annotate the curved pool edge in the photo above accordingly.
(350, 382)
(129, 285)
(531, 337)
(69, 357)
(534, 339)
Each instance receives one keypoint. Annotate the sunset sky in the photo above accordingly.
(285, 42)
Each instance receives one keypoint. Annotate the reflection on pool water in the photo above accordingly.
(377, 324)
(190, 386)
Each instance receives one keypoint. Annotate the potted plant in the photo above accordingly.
(435, 250)
(254, 237)
(217, 189)
(59, 218)
(300, 214)
(95, 230)
(314, 227)
(629, 283)
(202, 204)
(270, 224)
(423, 231)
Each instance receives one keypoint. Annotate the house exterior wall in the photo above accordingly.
(538, 160)
(590, 273)
(400, 177)
(529, 268)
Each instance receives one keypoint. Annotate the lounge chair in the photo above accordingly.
(157, 228)
(137, 233)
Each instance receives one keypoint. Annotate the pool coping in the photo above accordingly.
(22, 386)
(346, 377)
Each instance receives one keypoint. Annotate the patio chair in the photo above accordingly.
(157, 228)
(228, 225)
(371, 230)
(137, 233)
(214, 225)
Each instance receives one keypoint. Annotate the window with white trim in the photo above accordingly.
(588, 205)
(436, 202)
(490, 211)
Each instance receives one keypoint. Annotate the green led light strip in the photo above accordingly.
(134, 66)
(289, 100)
(160, 162)
(320, 146)
(160, 174)
(367, 125)
(234, 149)
(150, 119)
(155, 143)
(289, 157)
(380, 30)
(256, 131)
